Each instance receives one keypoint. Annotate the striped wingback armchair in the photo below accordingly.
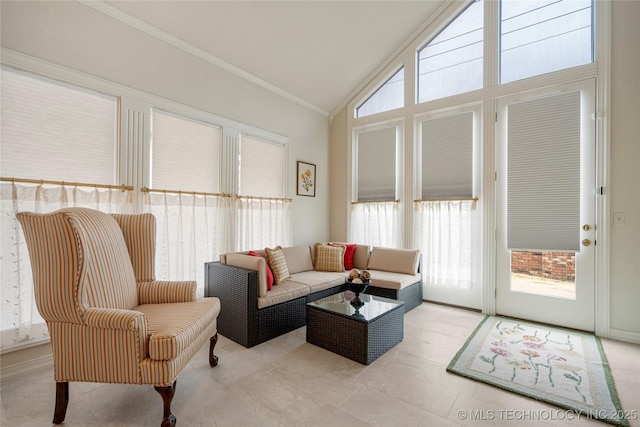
(109, 320)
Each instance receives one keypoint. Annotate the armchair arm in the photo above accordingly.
(108, 346)
(162, 292)
(113, 318)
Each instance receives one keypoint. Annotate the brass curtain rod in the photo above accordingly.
(65, 183)
(463, 199)
(375, 201)
(202, 193)
(277, 199)
(191, 193)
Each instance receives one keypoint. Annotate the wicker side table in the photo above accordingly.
(362, 334)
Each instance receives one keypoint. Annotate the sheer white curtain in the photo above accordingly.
(376, 224)
(263, 222)
(21, 323)
(191, 229)
(446, 233)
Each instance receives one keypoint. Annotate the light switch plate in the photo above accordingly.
(618, 219)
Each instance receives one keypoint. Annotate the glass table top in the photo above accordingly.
(341, 304)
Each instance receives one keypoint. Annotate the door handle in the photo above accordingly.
(586, 227)
(586, 242)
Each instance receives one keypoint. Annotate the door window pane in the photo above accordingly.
(543, 167)
(544, 273)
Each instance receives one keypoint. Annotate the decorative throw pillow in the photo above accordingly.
(278, 264)
(349, 252)
(269, 272)
(329, 258)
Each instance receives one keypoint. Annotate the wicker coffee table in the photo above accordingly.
(361, 334)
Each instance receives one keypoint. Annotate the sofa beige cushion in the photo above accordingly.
(278, 264)
(319, 280)
(298, 258)
(389, 280)
(395, 260)
(361, 257)
(285, 291)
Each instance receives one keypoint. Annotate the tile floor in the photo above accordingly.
(287, 382)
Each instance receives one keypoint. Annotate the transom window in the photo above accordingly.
(451, 63)
(388, 97)
(538, 37)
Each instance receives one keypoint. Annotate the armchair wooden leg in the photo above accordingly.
(167, 393)
(213, 359)
(62, 400)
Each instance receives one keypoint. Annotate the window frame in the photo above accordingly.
(599, 69)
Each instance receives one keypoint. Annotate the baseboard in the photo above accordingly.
(26, 367)
(622, 335)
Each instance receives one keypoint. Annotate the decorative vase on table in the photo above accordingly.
(357, 287)
(357, 282)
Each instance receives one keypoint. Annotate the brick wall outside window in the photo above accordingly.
(550, 265)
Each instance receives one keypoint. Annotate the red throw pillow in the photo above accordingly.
(269, 272)
(349, 252)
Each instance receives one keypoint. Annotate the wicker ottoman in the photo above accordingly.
(361, 334)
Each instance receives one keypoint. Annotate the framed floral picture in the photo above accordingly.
(306, 179)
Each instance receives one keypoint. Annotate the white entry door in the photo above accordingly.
(545, 194)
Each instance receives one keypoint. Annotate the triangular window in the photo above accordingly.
(388, 97)
(452, 62)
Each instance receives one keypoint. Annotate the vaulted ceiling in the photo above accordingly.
(314, 52)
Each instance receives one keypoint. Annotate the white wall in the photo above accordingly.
(625, 166)
(78, 37)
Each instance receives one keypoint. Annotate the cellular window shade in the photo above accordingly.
(543, 161)
(377, 165)
(261, 168)
(185, 154)
(54, 131)
(447, 157)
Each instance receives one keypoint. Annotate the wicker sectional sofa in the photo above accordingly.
(252, 314)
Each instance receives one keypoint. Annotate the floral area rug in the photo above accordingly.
(564, 368)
